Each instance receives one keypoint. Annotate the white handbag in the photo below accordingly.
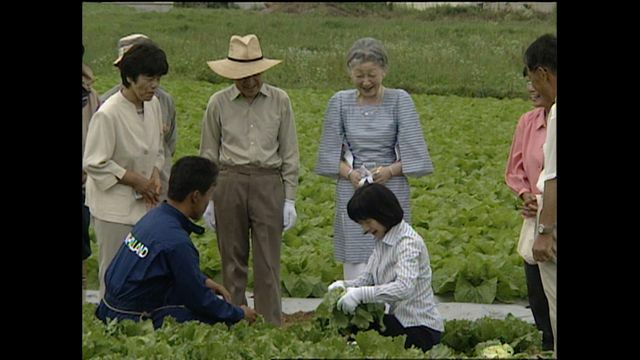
(527, 236)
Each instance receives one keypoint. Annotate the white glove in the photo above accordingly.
(289, 214)
(349, 301)
(336, 284)
(209, 217)
(366, 175)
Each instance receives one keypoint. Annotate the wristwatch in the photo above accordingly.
(542, 229)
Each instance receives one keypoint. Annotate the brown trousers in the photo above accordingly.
(250, 200)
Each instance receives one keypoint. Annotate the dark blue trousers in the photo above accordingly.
(179, 313)
(421, 337)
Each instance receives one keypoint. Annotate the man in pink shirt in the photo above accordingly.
(525, 162)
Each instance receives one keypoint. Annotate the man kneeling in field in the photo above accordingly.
(156, 272)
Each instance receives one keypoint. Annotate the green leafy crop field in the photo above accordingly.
(465, 77)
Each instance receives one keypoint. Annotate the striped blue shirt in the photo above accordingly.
(400, 272)
(375, 134)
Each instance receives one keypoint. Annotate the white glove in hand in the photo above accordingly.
(366, 175)
(289, 214)
(209, 217)
(349, 301)
(336, 284)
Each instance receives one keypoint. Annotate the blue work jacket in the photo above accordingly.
(156, 273)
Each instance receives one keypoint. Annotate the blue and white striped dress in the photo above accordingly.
(380, 134)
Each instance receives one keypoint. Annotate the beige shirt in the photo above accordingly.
(119, 140)
(261, 134)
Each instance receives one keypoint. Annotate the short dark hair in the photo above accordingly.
(543, 52)
(144, 58)
(375, 201)
(191, 173)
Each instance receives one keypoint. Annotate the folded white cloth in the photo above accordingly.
(366, 175)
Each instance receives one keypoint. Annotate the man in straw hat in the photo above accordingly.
(249, 130)
(169, 129)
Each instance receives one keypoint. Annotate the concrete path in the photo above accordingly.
(449, 310)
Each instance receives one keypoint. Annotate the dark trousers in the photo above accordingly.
(421, 337)
(86, 216)
(86, 246)
(179, 313)
(539, 304)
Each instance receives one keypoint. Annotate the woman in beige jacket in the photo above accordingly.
(123, 152)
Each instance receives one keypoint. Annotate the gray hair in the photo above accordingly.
(367, 50)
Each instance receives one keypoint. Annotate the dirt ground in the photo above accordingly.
(297, 317)
(330, 9)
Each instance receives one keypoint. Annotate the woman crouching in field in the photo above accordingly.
(398, 271)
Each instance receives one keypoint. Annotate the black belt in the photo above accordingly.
(142, 314)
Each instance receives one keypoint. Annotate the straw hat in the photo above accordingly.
(127, 42)
(244, 59)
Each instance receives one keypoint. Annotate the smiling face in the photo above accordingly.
(373, 227)
(543, 82)
(367, 77)
(536, 99)
(250, 86)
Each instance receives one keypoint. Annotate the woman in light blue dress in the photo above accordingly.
(370, 133)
